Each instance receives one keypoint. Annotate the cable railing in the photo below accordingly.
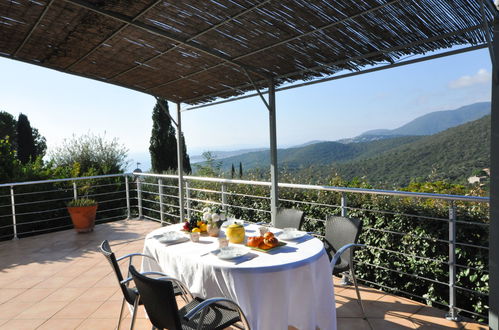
(439, 223)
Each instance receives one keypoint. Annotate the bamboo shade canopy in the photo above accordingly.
(195, 51)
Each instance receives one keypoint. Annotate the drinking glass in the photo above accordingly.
(195, 237)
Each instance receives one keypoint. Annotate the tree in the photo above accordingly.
(240, 170)
(40, 143)
(186, 159)
(163, 142)
(9, 165)
(91, 154)
(8, 126)
(210, 167)
(232, 172)
(26, 150)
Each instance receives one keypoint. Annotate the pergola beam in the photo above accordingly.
(346, 75)
(327, 26)
(355, 58)
(163, 34)
(211, 28)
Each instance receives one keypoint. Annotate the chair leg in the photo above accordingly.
(352, 272)
(121, 313)
(134, 312)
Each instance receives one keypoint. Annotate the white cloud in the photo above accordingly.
(481, 77)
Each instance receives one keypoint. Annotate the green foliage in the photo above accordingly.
(163, 142)
(9, 165)
(8, 126)
(80, 202)
(91, 155)
(210, 167)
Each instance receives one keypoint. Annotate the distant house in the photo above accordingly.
(474, 179)
(481, 177)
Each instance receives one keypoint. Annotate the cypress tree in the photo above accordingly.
(186, 159)
(232, 172)
(26, 149)
(240, 170)
(163, 142)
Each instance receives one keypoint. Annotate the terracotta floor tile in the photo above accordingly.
(428, 317)
(66, 294)
(9, 310)
(27, 324)
(352, 324)
(26, 282)
(108, 310)
(390, 305)
(365, 293)
(77, 309)
(98, 294)
(55, 282)
(391, 323)
(8, 294)
(41, 310)
(99, 324)
(61, 324)
(33, 295)
(475, 326)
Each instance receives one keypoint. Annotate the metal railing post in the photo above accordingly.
(452, 315)
(75, 191)
(188, 198)
(127, 192)
(224, 196)
(344, 211)
(13, 205)
(161, 211)
(139, 197)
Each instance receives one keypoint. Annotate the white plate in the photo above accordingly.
(232, 252)
(172, 237)
(292, 235)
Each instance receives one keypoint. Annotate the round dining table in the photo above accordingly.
(289, 287)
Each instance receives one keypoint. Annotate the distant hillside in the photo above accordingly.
(223, 154)
(322, 153)
(452, 154)
(436, 122)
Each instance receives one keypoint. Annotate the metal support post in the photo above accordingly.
(180, 161)
(344, 211)
(224, 196)
(127, 192)
(75, 191)
(452, 315)
(274, 192)
(494, 187)
(13, 205)
(161, 211)
(139, 197)
(188, 199)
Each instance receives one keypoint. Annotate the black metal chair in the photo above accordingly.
(130, 295)
(288, 218)
(341, 238)
(158, 297)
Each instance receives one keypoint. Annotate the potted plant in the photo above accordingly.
(82, 212)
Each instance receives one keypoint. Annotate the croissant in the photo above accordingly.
(268, 235)
(272, 242)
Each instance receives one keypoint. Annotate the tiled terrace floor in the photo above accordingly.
(61, 281)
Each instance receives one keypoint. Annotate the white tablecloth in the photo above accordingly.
(290, 286)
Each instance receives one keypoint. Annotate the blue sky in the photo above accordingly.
(60, 105)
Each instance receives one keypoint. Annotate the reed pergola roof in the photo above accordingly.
(194, 51)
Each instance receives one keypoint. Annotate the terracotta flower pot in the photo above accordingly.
(83, 217)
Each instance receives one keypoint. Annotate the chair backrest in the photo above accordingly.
(288, 218)
(159, 301)
(105, 248)
(341, 231)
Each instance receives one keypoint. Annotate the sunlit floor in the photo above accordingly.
(61, 281)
